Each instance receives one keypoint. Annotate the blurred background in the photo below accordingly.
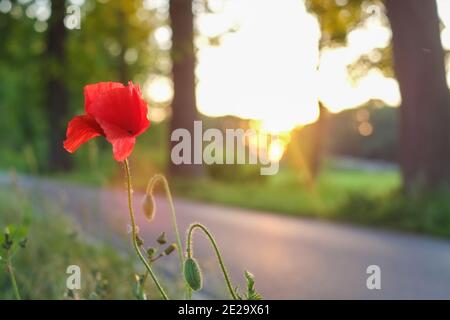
(357, 91)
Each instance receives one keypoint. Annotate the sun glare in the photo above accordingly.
(258, 72)
(159, 89)
(276, 150)
(270, 68)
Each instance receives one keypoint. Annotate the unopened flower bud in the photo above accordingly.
(7, 234)
(192, 274)
(162, 238)
(139, 241)
(7, 244)
(148, 206)
(150, 252)
(139, 278)
(23, 243)
(170, 249)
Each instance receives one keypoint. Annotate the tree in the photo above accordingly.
(21, 118)
(57, 99)
(319, 128)
(419, 67)
(58, 62)
(184, 111)
(425, 111)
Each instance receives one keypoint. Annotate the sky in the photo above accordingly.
(270, 68)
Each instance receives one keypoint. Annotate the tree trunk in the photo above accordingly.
(57, 104)
(319, 133)
(184, 111)
(425, 109)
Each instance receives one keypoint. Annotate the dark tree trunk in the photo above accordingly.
(319, 132)
(57, 104)
(425, 109)
(184, 111)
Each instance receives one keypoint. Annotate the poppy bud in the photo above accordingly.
(139, 241)
(7, 244)
(7, 234)
(170, 249)
(148, 206)
(23, 243)
(192, 274)
(162, 238)
(150, 252)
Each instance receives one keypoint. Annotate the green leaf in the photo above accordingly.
(251, 292)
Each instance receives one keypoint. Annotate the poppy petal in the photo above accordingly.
(121, 140)
(122, 107)
(80, 130)
(141, 106)
(93, 91)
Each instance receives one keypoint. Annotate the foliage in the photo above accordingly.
(54, 243)
(113, 44)
(251, 292)
(287, 193)
(424, 213)
(20, 96)
(337, 18)
(102, 49)
(344, 137)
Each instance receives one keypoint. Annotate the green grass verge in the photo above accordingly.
(53, 243)
(285, 193)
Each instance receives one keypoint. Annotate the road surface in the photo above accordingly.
(292, 258)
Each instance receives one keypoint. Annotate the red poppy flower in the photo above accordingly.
(114, 111)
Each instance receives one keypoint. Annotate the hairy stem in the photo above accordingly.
(216, 249)
(151, 185)
(12, 276)
(134, 233)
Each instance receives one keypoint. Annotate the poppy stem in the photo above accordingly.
(216, 249)
(134, 233)
(12, 276)
(149, 191)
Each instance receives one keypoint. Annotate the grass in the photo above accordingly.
(54, 242)
(421, 213)
(288, 194)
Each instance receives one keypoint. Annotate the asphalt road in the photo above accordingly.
(292, 258)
